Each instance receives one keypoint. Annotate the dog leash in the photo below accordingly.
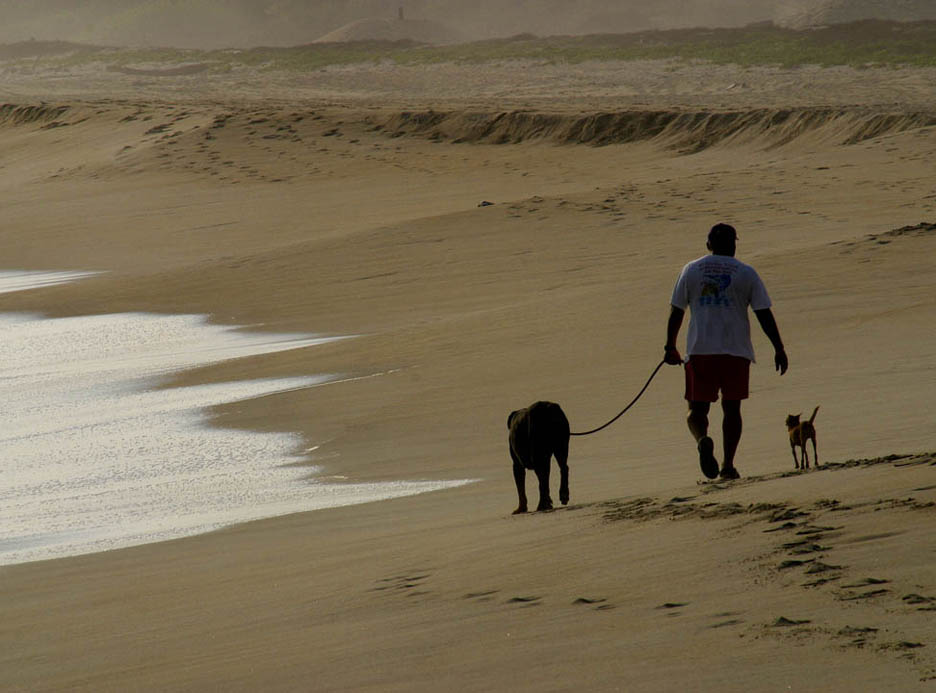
(633, 402)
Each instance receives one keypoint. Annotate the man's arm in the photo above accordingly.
(769, 325)
(670, 352)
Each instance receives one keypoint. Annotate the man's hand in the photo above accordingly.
(780, 361)
(671, 356)
(670, 352)
(769, 325)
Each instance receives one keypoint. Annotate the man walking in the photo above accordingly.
(718, 289)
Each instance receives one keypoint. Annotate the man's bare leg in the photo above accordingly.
(731, 431)
(698, 419)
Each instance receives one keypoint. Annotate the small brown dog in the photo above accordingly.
(800, 432)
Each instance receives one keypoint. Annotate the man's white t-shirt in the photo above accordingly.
(718, 290)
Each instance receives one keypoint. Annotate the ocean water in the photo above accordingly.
(95, 455)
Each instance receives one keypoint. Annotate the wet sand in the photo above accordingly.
(328, 213)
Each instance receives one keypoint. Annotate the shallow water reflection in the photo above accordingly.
(96, 456)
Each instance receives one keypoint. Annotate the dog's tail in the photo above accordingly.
(813, 417)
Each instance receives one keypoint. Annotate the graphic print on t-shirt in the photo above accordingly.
(716, 279)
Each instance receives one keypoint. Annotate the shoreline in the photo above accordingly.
(141, 474)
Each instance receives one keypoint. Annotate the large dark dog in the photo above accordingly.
(536, 434)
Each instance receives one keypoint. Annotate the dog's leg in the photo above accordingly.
(541, 464)
(805, 454)
(545, 502)
(562, 457)
(520, 478)
(793, 450)
(563, 482)
(815, 452)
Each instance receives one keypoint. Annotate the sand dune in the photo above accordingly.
(313, 204)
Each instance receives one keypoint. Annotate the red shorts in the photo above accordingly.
(707, 374)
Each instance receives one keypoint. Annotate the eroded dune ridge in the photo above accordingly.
(274, 132)
(684, 130)
(314, 205)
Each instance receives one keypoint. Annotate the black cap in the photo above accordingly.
(722, 232)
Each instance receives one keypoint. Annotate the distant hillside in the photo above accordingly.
(810, 13)
(37, 49)
(859, 44)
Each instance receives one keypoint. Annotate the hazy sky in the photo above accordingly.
(245, 23)
(239, 23)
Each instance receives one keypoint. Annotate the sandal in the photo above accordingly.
(707, 460)
(729, 473)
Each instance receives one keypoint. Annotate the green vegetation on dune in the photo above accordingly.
(858, 44)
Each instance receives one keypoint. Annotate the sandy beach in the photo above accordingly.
(348, 202)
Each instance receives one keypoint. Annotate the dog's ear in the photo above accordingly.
(510, 417)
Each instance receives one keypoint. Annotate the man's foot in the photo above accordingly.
(707, 460)
(729, 473)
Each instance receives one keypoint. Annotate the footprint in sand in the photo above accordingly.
(784, 526)
(827, 572)
(784, 622)
(907, 648)
(525, 601)
(481, 596)
(793, 563)
(599, 601)
(820, 567)
(821, 581)
(812, 530)
(922, 603)
(807, 547)
(861, 596)
(864, 582)
(404, 583)
(859, 635)
(672, 605)
(727, 623)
